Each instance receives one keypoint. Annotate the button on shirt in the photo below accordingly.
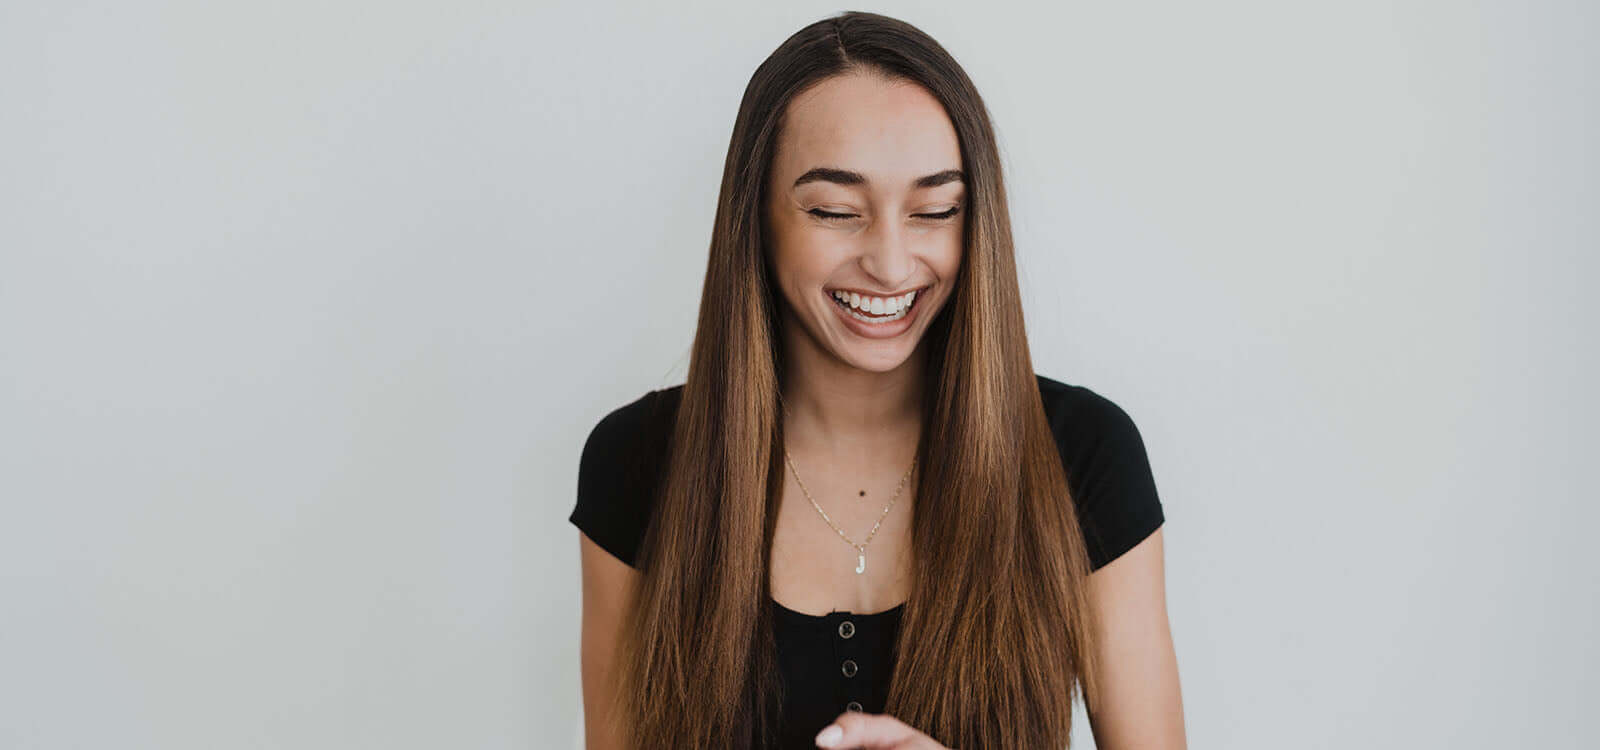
(841, 659)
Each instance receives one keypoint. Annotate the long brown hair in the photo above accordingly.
(995, 638)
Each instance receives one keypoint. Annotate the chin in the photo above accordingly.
(876, 356)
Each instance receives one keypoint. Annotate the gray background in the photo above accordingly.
(307, 307)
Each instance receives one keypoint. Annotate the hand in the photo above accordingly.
(854, 729)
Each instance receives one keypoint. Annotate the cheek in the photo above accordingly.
(799, 262)
(946, 259)
(803, 257)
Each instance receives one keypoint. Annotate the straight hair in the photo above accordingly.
(996, 636)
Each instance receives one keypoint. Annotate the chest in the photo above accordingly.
(814, 565)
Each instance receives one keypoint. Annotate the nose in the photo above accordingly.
(888, 258)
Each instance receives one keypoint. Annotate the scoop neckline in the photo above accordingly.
(795, 614)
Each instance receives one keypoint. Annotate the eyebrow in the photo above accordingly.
(847, 177)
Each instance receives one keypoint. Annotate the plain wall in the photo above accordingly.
(307, 307)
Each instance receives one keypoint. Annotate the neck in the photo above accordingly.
(839, 406)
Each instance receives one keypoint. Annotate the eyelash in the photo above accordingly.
(821, 214)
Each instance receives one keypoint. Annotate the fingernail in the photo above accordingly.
(829, 735)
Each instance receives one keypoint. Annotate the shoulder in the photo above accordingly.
(624, 426)
(1107, 466)
(1081, 417)
(619, 470)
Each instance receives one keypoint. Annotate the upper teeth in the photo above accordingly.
(876, 305)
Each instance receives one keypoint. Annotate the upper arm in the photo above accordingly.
(609, 514)
(1120, 514)
(1140, 704)
(607, 582)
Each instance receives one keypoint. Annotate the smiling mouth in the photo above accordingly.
(876, 309)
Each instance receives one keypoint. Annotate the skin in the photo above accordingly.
(854, 402)
(605, 584)
(854, 410)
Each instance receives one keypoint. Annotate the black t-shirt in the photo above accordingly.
(842, 661)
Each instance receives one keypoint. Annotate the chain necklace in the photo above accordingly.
(861, 549)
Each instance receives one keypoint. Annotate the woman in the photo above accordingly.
(864, 521)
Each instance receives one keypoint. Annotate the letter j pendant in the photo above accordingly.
(861, 561)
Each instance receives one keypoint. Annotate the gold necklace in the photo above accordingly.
(861, 549)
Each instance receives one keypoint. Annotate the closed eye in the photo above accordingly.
(821, 214)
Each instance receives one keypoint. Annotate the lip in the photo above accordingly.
(877, 330)
(917, 289)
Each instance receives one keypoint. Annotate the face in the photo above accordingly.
(865, 209)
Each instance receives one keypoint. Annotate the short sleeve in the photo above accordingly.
(1108, 471)
(617, 475)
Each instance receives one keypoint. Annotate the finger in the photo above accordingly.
(856, 729)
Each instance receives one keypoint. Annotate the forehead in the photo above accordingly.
(891, 131)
